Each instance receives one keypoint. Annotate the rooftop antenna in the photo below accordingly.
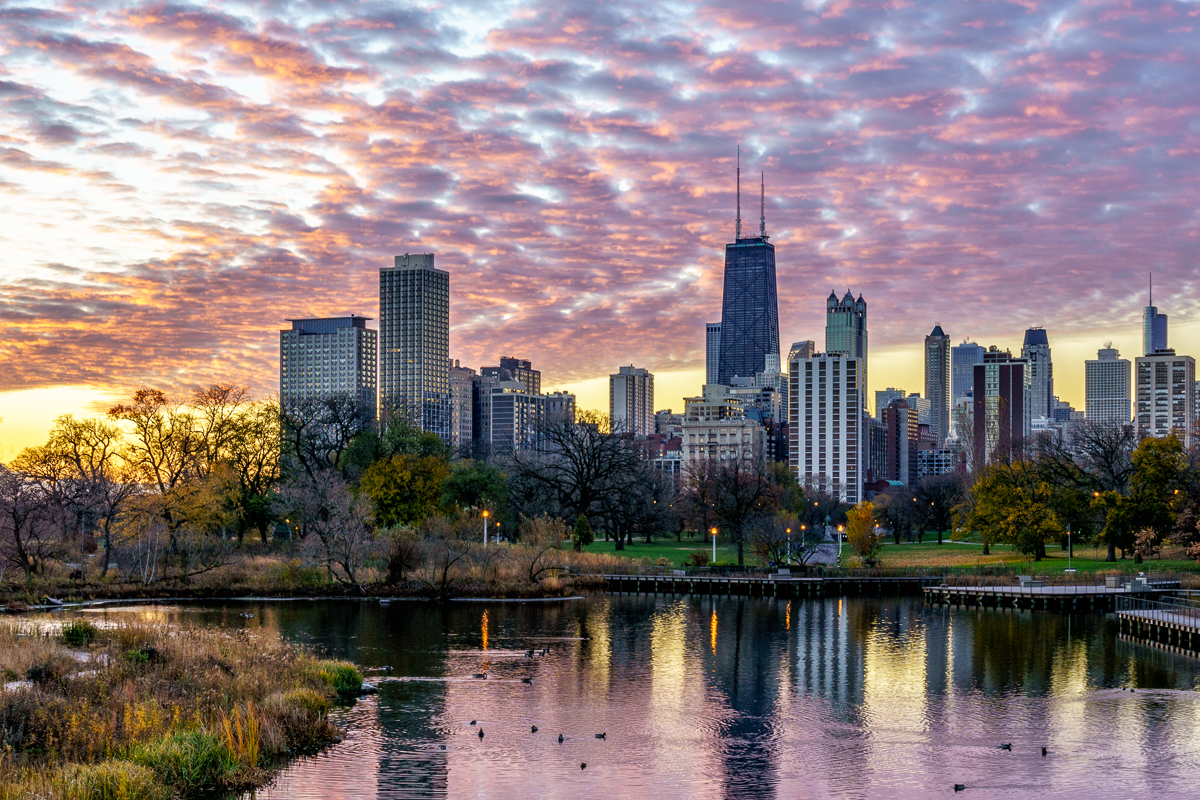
(762, 205)
(738, 233)
(1151, 288)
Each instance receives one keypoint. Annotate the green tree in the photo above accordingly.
(583, 535)
(1010, 503)
(473, 485)
(405, 489)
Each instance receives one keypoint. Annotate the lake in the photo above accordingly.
(733, 698)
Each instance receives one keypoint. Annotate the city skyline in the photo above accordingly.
(179, 181)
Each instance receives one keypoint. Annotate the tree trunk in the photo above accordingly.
(939, 534)
(1137, 557)
(896, 533)
(618, 537)
(986, 551)
(741, 562)
(1112, 552)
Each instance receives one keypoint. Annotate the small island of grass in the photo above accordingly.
(144, 712)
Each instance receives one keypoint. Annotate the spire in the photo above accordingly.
(762, 205)
(738, 232)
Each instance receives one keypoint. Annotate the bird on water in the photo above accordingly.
(583, 765)
(1043, 751)
(472, 722)
(481, 676)
(601, 735)
(526, 680)
(1006, 746)
(533, 728)
(481, 733)
(958, 787)
(560, 738)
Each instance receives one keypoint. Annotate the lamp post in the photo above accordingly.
(485, 519)
(789, 554)
(714, 535)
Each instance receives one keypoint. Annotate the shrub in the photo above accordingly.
(697, 558)
(79, 633)
(583, 534)
(663, 561)
(341, 676)
(109, 780)
(188, 760)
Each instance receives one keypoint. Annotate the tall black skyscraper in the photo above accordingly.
(750, 309)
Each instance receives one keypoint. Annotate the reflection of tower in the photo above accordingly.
(750, 305)
(846, 331)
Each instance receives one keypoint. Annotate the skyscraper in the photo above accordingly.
(414, 339)
(631, 400)
(1107, 384)
(846, 331)
(461, 397)
(1154, 326)
(1036, 350)
(1166, 395)
(1001, 394)
(801, 350)
(937, 383)
(900, 424)
(712, 352)
(750, 307)
(885, 396)
(827, 449)
(327, 357)
(963, 359)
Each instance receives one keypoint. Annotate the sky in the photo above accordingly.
(178, 180)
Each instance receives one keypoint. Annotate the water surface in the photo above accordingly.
(735, 698)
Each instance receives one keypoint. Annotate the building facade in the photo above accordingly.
(414, 342)
(1002, 421)
(516, 369)
(461, 411)
(749, 310)
(827, 425)
(712, 352)
(937, 383)
(846, 331)
(631, 400)
(963, 358)
(721, 439)
(902, 443)
(1036, 352)
(885, 396)
(514, 417)
(1107, 387)
(328, 357)
(1166, 395)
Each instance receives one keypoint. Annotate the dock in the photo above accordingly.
(1036, 596)
(1170, 623)
(774, 585)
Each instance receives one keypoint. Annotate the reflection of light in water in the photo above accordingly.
(600, 647)
(484, 626)
(667, 646)
(714, 632)
(788, 619)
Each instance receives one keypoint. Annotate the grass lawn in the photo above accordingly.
(671, 549)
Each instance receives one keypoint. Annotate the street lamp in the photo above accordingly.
(485, 519)
(714, 535)
(789, 555)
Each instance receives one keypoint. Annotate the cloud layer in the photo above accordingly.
(177, 180)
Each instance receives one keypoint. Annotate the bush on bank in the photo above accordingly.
(144, 712)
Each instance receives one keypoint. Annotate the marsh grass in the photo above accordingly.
(148, 712)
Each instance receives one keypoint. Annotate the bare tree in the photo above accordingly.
(30, 523)
(937, 497)
(743, 496)
(542, 539)
(317, 431)
(334, 523)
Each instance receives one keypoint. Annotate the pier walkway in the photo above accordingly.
(1172, 623)
(1036, 596)
(771, 585)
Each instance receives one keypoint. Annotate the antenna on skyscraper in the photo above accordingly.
(738, 233)
(1151, 289)
(762, 205)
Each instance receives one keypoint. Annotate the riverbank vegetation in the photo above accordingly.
(219, 495)
(146, 712)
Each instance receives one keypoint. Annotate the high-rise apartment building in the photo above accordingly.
(560, 407)
(414, 342)
(712, 352)
(1107, 387)
(922, 406)
(1166, 395)
(1001, 417)
(327, 357)
(1036, 351)
(461, 398)
(846, 331)
(1154, 331)
(900, 426)
(514, 416)
(826, 424)
(937, 383)
(750, 305)
(631, 400)
(963, 358)
(516, 369)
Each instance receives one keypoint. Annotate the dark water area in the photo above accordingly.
(735, 698)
